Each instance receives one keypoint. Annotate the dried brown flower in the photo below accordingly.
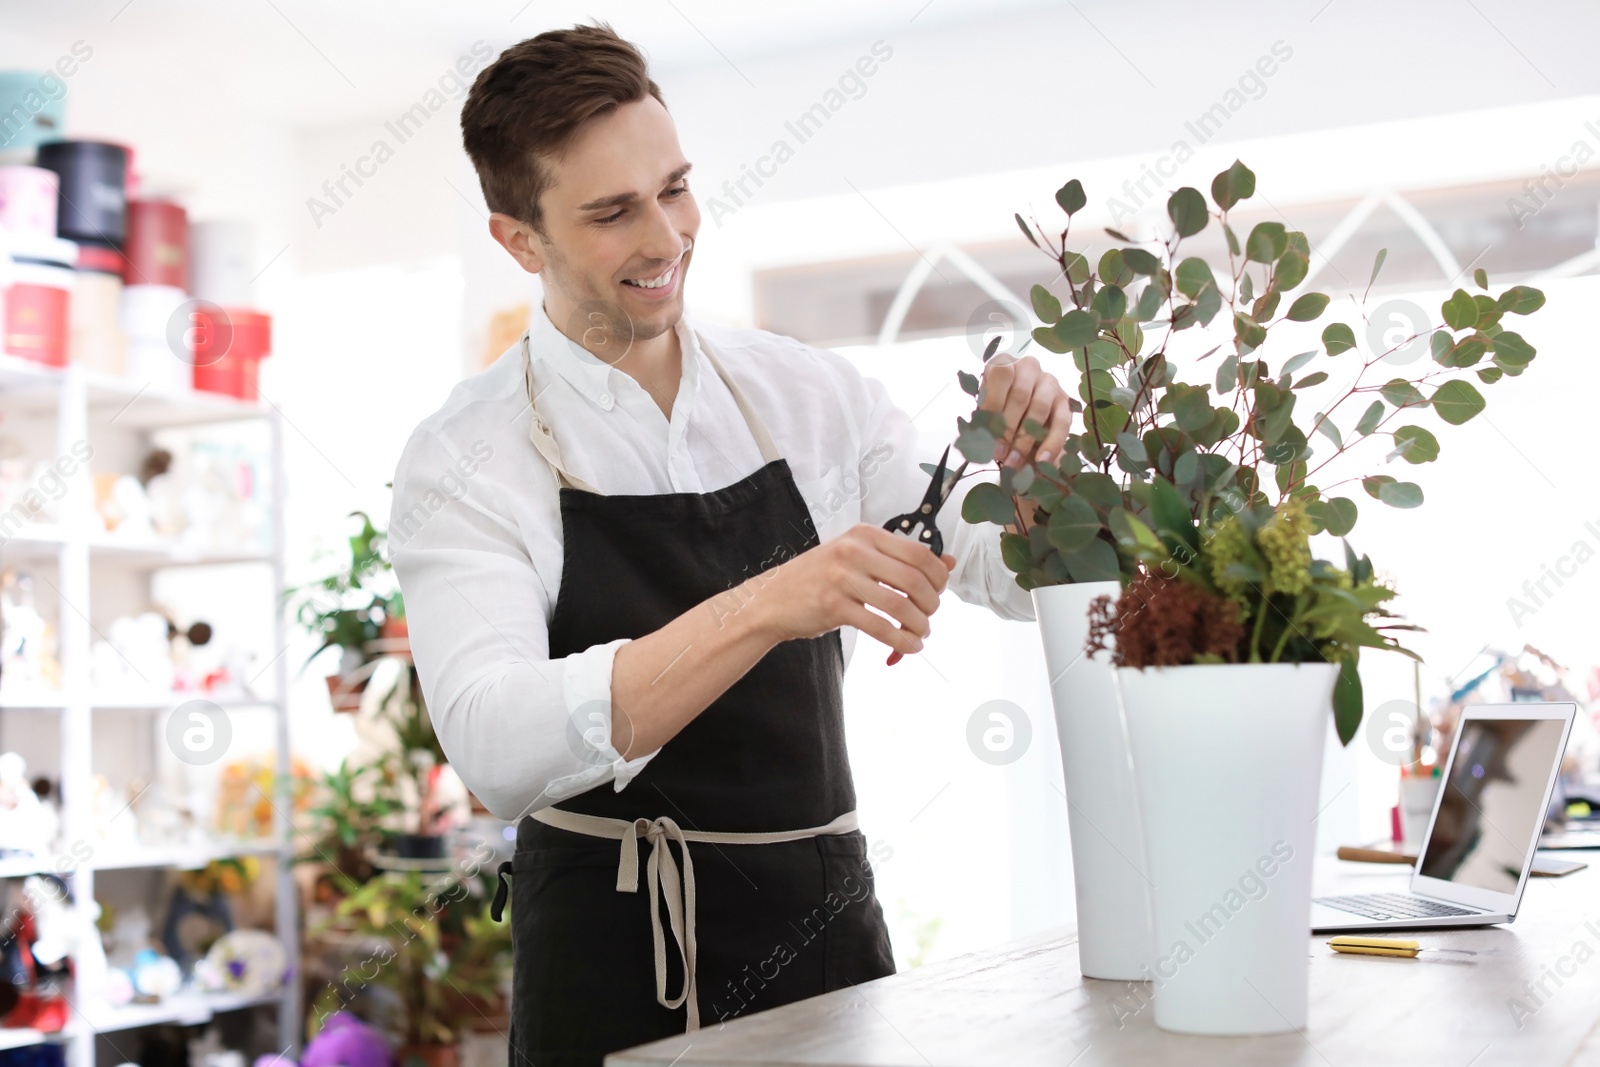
(1164, 622)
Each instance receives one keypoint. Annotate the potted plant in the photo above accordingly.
(1199, 506)
(355, 802)
(429, 944)
(357, 609)
(419, 761)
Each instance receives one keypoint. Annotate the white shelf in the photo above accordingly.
(55, 699)
(184, 1008)
(183, 858)
(34, 387)
(177, 857)
(23, 379)
(20, 1038)
(82, 402)
(42, 541)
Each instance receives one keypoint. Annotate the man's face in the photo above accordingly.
(619, 222)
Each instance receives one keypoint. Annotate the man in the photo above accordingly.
(635, 552)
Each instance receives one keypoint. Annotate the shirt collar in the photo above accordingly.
(591, 375)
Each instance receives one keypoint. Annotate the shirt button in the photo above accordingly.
(605, 399)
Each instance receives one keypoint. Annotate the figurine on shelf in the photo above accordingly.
(199, 913)
(112, 818)
(164, 491)
(122, 506)
(26, 825)
(28, 648)
(243, 961)
(41, 1002)
(155, 976)
(64, 931)
(134, 656)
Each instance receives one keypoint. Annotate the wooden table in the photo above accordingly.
(1025, 1003)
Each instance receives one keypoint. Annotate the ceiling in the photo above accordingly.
(307, 63)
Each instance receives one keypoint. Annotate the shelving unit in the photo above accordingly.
(81, 403)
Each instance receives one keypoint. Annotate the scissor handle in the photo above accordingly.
(929, 534)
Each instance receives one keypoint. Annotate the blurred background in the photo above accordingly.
(318, 146)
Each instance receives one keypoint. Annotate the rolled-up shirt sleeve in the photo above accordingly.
(521, 729)
(891, 451)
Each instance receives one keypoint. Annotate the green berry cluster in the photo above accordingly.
(1285, 542)
(1230, 544)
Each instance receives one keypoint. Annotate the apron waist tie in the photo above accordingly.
(662, 873)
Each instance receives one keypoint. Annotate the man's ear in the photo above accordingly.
(518, 238)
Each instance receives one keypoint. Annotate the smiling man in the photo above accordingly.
(636, 552)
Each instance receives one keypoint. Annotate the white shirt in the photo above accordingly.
(475, 530)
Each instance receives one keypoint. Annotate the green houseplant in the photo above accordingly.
(1193, 504)
(357, 608)
(355, 803)
(430, 944)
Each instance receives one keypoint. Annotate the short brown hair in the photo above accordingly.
(531, 101)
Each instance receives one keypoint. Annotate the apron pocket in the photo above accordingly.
(856, 942)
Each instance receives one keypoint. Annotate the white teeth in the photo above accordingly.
(665, 279)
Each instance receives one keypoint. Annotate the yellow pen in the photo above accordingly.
(1387, 946)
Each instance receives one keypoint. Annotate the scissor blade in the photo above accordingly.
(935, 496)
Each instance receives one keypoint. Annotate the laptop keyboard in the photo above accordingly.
(1393, 906)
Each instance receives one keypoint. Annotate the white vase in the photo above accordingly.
(1115, 938)
(1228, 762)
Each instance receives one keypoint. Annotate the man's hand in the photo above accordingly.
(1020, 390)
(833, 584)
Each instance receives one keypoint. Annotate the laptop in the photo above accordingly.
(1484, 830)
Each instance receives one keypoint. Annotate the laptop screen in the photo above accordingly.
(1492, 807)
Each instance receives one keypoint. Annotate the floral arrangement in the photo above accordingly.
(1201, 498)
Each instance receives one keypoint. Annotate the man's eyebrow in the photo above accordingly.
(618, 199)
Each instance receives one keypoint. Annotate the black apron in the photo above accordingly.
(780, 921)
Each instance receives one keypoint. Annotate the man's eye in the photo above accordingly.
(609, 219)
(678, 190)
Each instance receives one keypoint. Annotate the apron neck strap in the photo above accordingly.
(758, 429)
(544, 440)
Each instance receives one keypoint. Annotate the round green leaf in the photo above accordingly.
(1045, 304)
(1340, 516)
(1416, 445)
(1114, 269)
(1076, 328)
(1520, 300)
(1193, 275)
(1073, 524)
(1338, 337)
(1460, 311)
(1236, 183)
(1187, 210)
(1401, 494)
(1098, 488)
(1141, 262)
(1308, 307)
(1267, 241)
(1094, 562)
(1110, 303)
(987, 502)
(1457, 400)
(1071, 196)
(1511, 350)
(1402, 394)
(1374, 484)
